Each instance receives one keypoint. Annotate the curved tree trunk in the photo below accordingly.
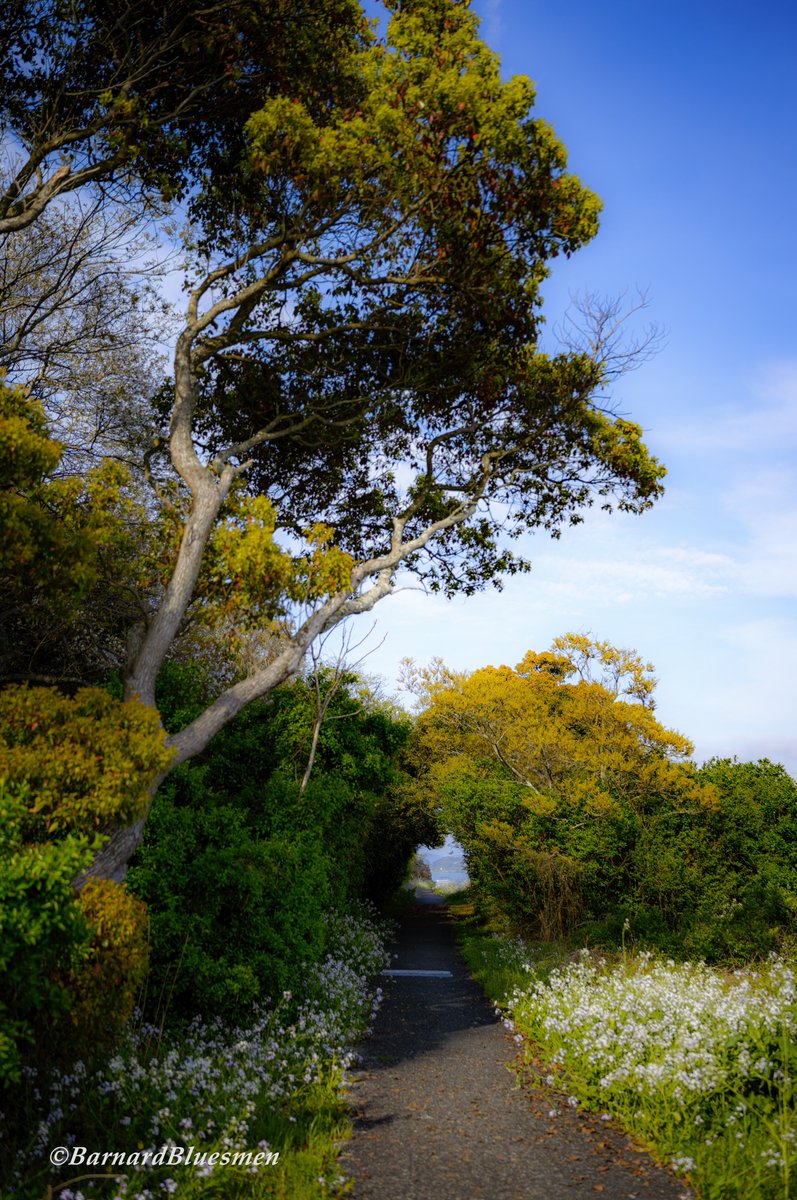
(111, 861)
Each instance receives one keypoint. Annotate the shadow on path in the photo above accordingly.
(439, 1114)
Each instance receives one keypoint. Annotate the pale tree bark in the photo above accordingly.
(411, 274)
(481, 455)
(371, 582)
(209, 486)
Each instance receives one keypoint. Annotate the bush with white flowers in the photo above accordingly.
(213, 1087)
(699, 1062)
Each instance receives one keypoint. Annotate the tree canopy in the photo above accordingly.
(582, 815)
(370, 353)
(572, 727)
(550, 773)
(358, 385)
(147, 95)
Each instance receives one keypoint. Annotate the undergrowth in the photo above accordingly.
(273, 1085)
(697, 1062)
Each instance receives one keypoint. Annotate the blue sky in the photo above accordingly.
(683, 118)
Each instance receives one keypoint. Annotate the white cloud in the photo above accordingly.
(763, 421)
(493, 22)
(614, 580)
(700, 585)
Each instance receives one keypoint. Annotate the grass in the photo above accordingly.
(276, 1086)
(698, 1063)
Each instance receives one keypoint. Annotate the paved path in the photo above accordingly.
(440, 1115)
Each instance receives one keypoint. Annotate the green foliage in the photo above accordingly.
(724, 882)
(697, 1063)
(249, 580)
(52, 528)
(69, 768)
(578, 810)
(104, 986)
(41, 930)
(233, 915)
(440, 200)
(719, 883)
(276, 1082)
(87, 761)
(73, 551)
(237, 868)
(28, 453)
(156, 95)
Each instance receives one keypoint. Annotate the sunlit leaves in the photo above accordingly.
(559, 723)
(85, 763)
(53, 529)
(436, 142)
(252, 578)
(550, 774)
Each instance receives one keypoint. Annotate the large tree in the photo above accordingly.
(141, 96)
(556, 777)
(358, 387)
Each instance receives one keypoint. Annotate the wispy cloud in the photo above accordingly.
(493, 22)
(656, 574)
(762, 421)
(701, 585)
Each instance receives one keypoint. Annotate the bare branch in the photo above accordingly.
(598, 326)
(324, 696)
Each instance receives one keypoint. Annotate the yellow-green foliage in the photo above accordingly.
(552, 775)
(249, 577)
(26, 450)
(69, 769)
(40, 927)
(432, 95)
(560, 726)
(104, 988)
(325, 570)
(53, 529)
(88, 762)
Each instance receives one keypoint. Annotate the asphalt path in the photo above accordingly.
(441, 1112)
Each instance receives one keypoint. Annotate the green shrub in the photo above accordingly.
(103, 988)
(42, 933)
(237, 866)
(711, 881)
(70, 767)
(87, 761)
(233, 916)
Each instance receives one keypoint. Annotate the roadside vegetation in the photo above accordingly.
(195, 800)
(698, 1062)
(581, 814)
(632, 916)
(215, 999)
(274, 1084)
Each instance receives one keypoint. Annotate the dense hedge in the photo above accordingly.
(70, 767)
(226, 897)
(714, 883)
(237, 867)
(582, 816)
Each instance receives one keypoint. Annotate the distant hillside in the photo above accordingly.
(446, 861)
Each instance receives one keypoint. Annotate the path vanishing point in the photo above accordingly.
(439, 1113)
